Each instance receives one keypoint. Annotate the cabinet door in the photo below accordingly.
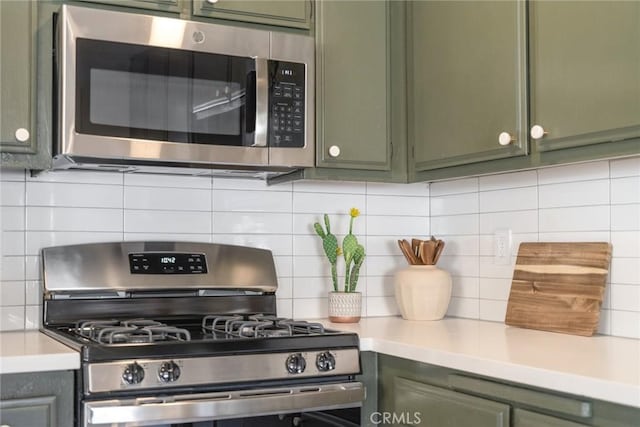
(353, 84)
(163, 5)
(524, 418)
(585, 71)
(422, 404)
(37, 411)
(17, 76)
(466, 81)
(286, 13)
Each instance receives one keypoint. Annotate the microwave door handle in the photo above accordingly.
(250, 107)
(261, 102)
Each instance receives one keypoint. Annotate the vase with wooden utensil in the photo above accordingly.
(423, 291)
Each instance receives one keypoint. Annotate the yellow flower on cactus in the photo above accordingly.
(354, 212)
(338, 251)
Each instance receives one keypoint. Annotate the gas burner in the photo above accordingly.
(129, 331)
(259, 326)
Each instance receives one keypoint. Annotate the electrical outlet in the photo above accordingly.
(502, 246)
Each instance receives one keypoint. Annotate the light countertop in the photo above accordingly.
(600, 367)
(32, 351)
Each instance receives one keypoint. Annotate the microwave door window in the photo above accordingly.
(143, 92)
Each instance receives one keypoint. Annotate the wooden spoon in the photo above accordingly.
(405, 247)
(439, 249)
(427, 252)
(415, 246)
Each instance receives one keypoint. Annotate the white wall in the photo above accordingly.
(594, 201)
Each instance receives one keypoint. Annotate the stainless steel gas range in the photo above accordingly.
(187, 334)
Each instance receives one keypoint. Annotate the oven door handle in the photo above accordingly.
(223, 405)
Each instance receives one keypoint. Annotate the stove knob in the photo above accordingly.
(296, 363)
(133, 374)
(169, 372)
(325, 361)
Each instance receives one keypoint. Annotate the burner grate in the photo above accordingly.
(259, 326)
(129, 331)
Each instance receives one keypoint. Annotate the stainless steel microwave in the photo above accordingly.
(154, 94)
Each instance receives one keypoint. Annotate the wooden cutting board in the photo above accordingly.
(559, 287)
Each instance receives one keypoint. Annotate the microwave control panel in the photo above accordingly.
(286, 103)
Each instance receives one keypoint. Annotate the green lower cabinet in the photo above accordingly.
(285, 13)
(522, 418)
(39, 399)
(585, 72)
(422, 404)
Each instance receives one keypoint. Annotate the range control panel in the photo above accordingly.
(167, 263)
(286, 104)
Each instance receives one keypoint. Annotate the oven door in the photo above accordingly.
(312, 405)
(161, 89)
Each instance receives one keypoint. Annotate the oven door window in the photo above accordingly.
(142, 92)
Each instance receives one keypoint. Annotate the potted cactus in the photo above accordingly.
(344, 305)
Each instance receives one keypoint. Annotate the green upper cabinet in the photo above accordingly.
(585, 72)
(466, 82)
(162, 5)
(285, 13)
(353, 85)
(18, 82)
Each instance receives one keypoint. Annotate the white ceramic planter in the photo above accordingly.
(423, 292)
(345, 307)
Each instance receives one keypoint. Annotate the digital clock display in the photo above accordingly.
(167, 263)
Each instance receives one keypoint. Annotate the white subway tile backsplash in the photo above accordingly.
(73, 219)
(397, 205)
(329, 203)
(310, 308)
(420, 189)
(625, 167)
(13, 268)
(494, 311)
(583, 202)
(398, 227)
(12, 242)
(583, 193)
(381, 306)
(625, 271)
(505, 181)
(252, 201)
(329, 187)
(456, 204)
(625, 324)
(516, 221)
(625, 190)
(12, 218)
(176, 199)
(278, 244)
(495, 289)
(249, 184)
(167, 181)
(251, 223)
(464, 307)
(625, 297)
(455, 224)
(12, 193)
(465, 287)
(514, 199)
(466, 185)
(74, 195)
(12, 293)
(575, 172)
(12, 318)
(625, 217)
(625, 244)
(589, 218)
(151, 221)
